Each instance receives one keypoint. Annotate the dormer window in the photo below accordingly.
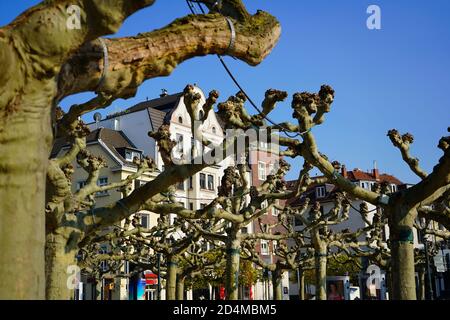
(130, 155)
(201, 114)
(180, 142)
(320, 192)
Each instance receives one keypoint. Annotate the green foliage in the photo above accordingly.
(248, 274)
(340, 266)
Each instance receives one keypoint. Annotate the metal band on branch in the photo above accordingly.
(318, 255)
(233, 36)
(406, 236)
(305, 132)
(234, 252)
(105, 62)
(384, 199)
(335, 174)
(123, 206)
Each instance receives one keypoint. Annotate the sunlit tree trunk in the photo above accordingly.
(180, 287)
(232, 267)
(301, 282)
(402, 255)
(321, 275)
(171, 285)
(277, 278)
(23, 163)
(61, 268)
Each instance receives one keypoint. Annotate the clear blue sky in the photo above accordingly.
(397, 77)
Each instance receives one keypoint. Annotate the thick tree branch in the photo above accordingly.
(148, 55)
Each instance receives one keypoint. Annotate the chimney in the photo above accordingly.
(375, 172)
(164, 93)
(344, 171)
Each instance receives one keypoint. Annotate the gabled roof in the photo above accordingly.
(165, 104)
(115, 141)
(158, 109)
(352, 175)
(157, 118)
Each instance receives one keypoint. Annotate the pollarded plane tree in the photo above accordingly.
(401, 207)
(73, 220)
(237, 206)
(297, 255)
(320, 229)
(105, 257)
(171, 240)
(197, 263)
(44, 60)
(377, 250)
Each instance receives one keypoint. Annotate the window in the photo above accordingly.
(180, 186)
(214, 130)
(393, 188)
(271, 169)
(193, 148)
(180, 119)
(103, 264)
(138, 183)
(244, 230)
(191, 182)
(264, 204)
(297, 222)
(101, 183)
(180, 143)
(191, 206)
(81, 185)
(202, 181)
(275, 211)
(262, 171)
(210, 182)
(264, 248)
(274, 246)
(130, 155)
(145, 220)
(201, 114)
(263, 145)
(320, 192)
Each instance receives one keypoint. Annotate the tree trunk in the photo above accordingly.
(321, 275)
(61, 270)
(402, 254)
(301, 283)
(25, 142)
(403, 274)
(232, 268)
(277, 284)
(421, 288)
(180, 287)
(171, 286)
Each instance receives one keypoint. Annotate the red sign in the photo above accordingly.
(222, 293)
(151, 278)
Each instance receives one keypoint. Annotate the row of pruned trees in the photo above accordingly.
(44, 62)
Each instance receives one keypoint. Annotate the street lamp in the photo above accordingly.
(158, 256)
